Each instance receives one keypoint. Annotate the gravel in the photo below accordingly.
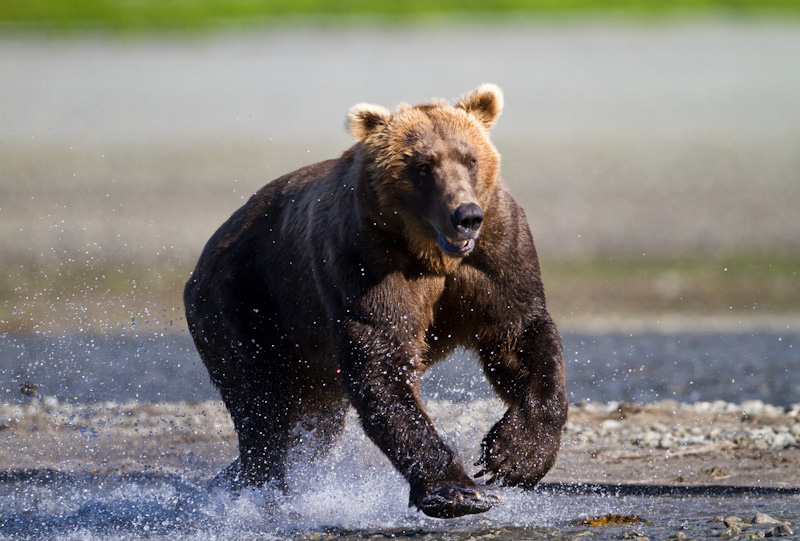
(720, 443)
(612, 452)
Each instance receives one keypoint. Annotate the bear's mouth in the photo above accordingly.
(455, 248)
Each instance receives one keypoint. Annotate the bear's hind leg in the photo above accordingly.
(277, 428)
(263, 428)
(318, 429)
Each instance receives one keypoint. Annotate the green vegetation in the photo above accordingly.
(74, 297)
(192, 15)
(741, 285)
(77, 297)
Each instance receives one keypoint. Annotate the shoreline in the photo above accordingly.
(169, 321)
(676, 322)
(665, 443)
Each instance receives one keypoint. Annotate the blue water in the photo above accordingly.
(643, 367)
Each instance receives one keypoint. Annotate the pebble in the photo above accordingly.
(610, 425)
(750, 424)
(637, 536)
(782, 530)
(732, 531)
(735, 526)
(763, 518)
(730, 522)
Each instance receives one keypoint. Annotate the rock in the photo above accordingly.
(610, 425)
(763, 518)
(782, 530)
(29, 388)
(783, 439)
(666, 442)
(731, 521)
(648, 439)
(764, 433)
(752, 406)
(637, 536)
(732, 531)
(660, 427)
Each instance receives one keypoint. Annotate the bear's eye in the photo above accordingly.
(472, 163)
(423, 169)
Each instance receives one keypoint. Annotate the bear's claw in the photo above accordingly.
(453, 501)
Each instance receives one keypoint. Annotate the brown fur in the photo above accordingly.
(344, 281)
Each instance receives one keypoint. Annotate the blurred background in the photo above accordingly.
(654, 145)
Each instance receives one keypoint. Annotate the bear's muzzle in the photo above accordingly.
(466, 222)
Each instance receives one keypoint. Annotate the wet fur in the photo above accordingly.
(328, 288)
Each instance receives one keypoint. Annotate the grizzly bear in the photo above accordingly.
(342, 282)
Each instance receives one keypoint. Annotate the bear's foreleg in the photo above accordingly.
(382, 389)
(527, 371)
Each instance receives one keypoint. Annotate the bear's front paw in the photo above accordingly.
(518, 451)
(454, 501)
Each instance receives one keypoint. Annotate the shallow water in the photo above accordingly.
(644, 367)
(339, 498)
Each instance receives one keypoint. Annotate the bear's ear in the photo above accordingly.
(485, 103)
(364, 118)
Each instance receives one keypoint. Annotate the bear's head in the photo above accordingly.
(433, 167)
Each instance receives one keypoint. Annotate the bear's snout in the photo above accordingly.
(467, 220)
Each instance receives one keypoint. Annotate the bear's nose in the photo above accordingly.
(467, 219)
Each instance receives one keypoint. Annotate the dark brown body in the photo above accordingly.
(310, 298)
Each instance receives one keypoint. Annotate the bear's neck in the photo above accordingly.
(432, 259)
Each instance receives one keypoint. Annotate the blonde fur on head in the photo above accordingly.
(485, 103)
(363, 118)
